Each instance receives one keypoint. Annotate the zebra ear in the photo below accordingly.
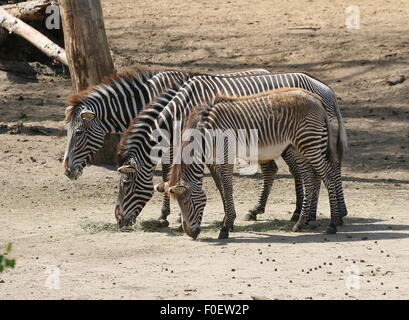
(126, 169)
(178, 190)
(162, 187)
(87, 115)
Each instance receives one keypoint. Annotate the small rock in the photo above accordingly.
(395, 79)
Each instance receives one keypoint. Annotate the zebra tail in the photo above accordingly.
(342, 143)
(333, 152)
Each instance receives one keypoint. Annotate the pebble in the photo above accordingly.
(395, 79)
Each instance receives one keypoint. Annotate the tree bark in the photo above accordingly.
(3, 35)
(30, 10)
(14, 25)
(88, 54)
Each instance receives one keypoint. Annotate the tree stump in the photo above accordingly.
(88, 54)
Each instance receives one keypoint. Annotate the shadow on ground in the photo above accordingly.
(355, 229)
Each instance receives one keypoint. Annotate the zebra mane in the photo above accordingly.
(138, 73)
(197, 118)
(141, 119)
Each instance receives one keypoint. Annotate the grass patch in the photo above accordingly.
(150, 225)
(93, 227)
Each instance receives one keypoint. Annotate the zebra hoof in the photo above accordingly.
(256, 211)
(224, 234)
(180, 229)
(339, 222)
(297, 227)
(250, 217)
(332, 229)
(295, 217)
(163, 223)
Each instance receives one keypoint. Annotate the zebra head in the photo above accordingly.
(135, 190)
(85, 137)
(192, 200)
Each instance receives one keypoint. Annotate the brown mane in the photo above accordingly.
(75, 98)
(190, 122)
(120, 147)
(224, 98)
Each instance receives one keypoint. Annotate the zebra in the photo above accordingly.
(137, 167)
(112, 105)
(282, 118)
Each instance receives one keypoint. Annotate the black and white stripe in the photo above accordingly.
(202, 90)
(111, 107)
(281, 118)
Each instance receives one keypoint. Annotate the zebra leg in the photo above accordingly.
(268, 171)
(315, 192)
(216, 175)
(165, 211)
(218, 180)
(307, 173)
(230, 212)
(340, 192)
(291, 157)
(326, 171)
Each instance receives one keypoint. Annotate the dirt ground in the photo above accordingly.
(63, 233)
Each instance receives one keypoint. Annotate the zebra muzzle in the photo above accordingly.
(193, 233)
(118, 217)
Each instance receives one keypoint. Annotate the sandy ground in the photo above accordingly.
(64, 239)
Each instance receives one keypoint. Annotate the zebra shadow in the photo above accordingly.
(355, 229)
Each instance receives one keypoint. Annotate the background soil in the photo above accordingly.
(53, 222)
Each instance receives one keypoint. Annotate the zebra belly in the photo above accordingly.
(271, 152)
(265, 153)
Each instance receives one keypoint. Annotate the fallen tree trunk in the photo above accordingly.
(30, 10)
(14, 25)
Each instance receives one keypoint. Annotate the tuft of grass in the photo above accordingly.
(93, 227)
(150, 225)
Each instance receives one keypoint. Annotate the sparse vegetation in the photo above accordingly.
(4, 261)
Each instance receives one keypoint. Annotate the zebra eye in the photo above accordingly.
(126, 178)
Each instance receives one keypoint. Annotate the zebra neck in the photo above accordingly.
(118, 103)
